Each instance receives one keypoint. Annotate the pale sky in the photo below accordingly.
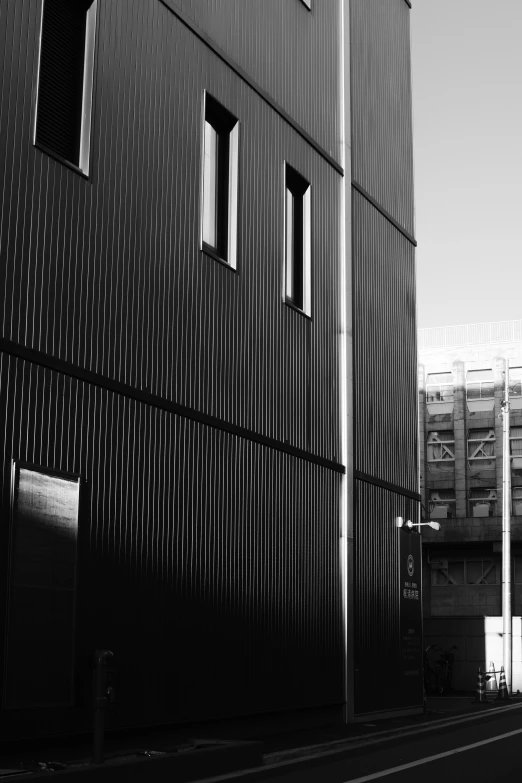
(467, 125)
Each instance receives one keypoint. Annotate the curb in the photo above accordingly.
(298, 757)
(337, 746)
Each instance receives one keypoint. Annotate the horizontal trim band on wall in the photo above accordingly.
(248, 79)
(383, 212)
(87, 376)
(358, 474)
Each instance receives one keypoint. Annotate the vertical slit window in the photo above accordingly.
(220, 182)
(63, 114)
(297, 241)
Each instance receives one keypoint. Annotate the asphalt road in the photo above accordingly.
(486, 750)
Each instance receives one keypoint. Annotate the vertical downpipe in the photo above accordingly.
(345, 366)
(506, 535)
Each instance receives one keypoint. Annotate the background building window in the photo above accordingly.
(439, 387)
(63, 115)
(481, 447)
(297, 240)
(459, 572)
(515, 381)
(480, 385)
(447, 573)
(516, 500)
(442, 503)
(441, 450)
(517, 570)
(515, 446)
(42, 589)
(220, 182)
(482, 501)
(481, 572)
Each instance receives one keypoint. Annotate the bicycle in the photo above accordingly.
(432, 682)
(445, 667)
(439, 678)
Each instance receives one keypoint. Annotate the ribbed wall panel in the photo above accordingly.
(377, 596)
(385, 356)
(207, 563)
(382, 139)
(106, 273)
(288, 52)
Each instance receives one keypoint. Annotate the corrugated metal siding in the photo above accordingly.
(385, 356)
(107, 274)
(382, 140)
(287, 50)
(207, 563)
(377, 595)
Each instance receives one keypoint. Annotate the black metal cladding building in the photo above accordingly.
(385, 442)
(175, 333)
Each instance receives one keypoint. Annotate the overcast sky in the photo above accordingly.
(467, 124)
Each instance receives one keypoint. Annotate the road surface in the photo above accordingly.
(485, 750)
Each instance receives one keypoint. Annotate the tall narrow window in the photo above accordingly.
(42, 590)
(220, 182)
(63, 114)
(297, 240)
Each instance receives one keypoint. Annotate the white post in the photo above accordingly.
(506, 535)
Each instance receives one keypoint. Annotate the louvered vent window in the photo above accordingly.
(65, 79)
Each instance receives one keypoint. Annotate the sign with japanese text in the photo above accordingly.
(410, 574)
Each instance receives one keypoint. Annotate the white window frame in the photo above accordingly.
(87, 90)
(229, 257)
(438, 386)
(480, 381)
(306, 259)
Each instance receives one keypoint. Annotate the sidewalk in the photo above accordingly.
(274, 747)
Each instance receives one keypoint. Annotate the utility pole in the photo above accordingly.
(506, 534)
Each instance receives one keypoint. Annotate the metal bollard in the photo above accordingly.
(102, 697)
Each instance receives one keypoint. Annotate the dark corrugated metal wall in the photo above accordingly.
(107, 273)
(287, 49)
(208, 564)
(382, 135)
(377, 648)
(385, 432)
(384, 335)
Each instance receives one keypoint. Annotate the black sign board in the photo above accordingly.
(410, 574)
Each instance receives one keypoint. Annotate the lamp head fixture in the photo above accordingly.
(399, 522)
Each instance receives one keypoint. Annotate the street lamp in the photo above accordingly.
(399, 522)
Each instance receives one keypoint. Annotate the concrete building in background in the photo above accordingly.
(461, 389)
(207, 360)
